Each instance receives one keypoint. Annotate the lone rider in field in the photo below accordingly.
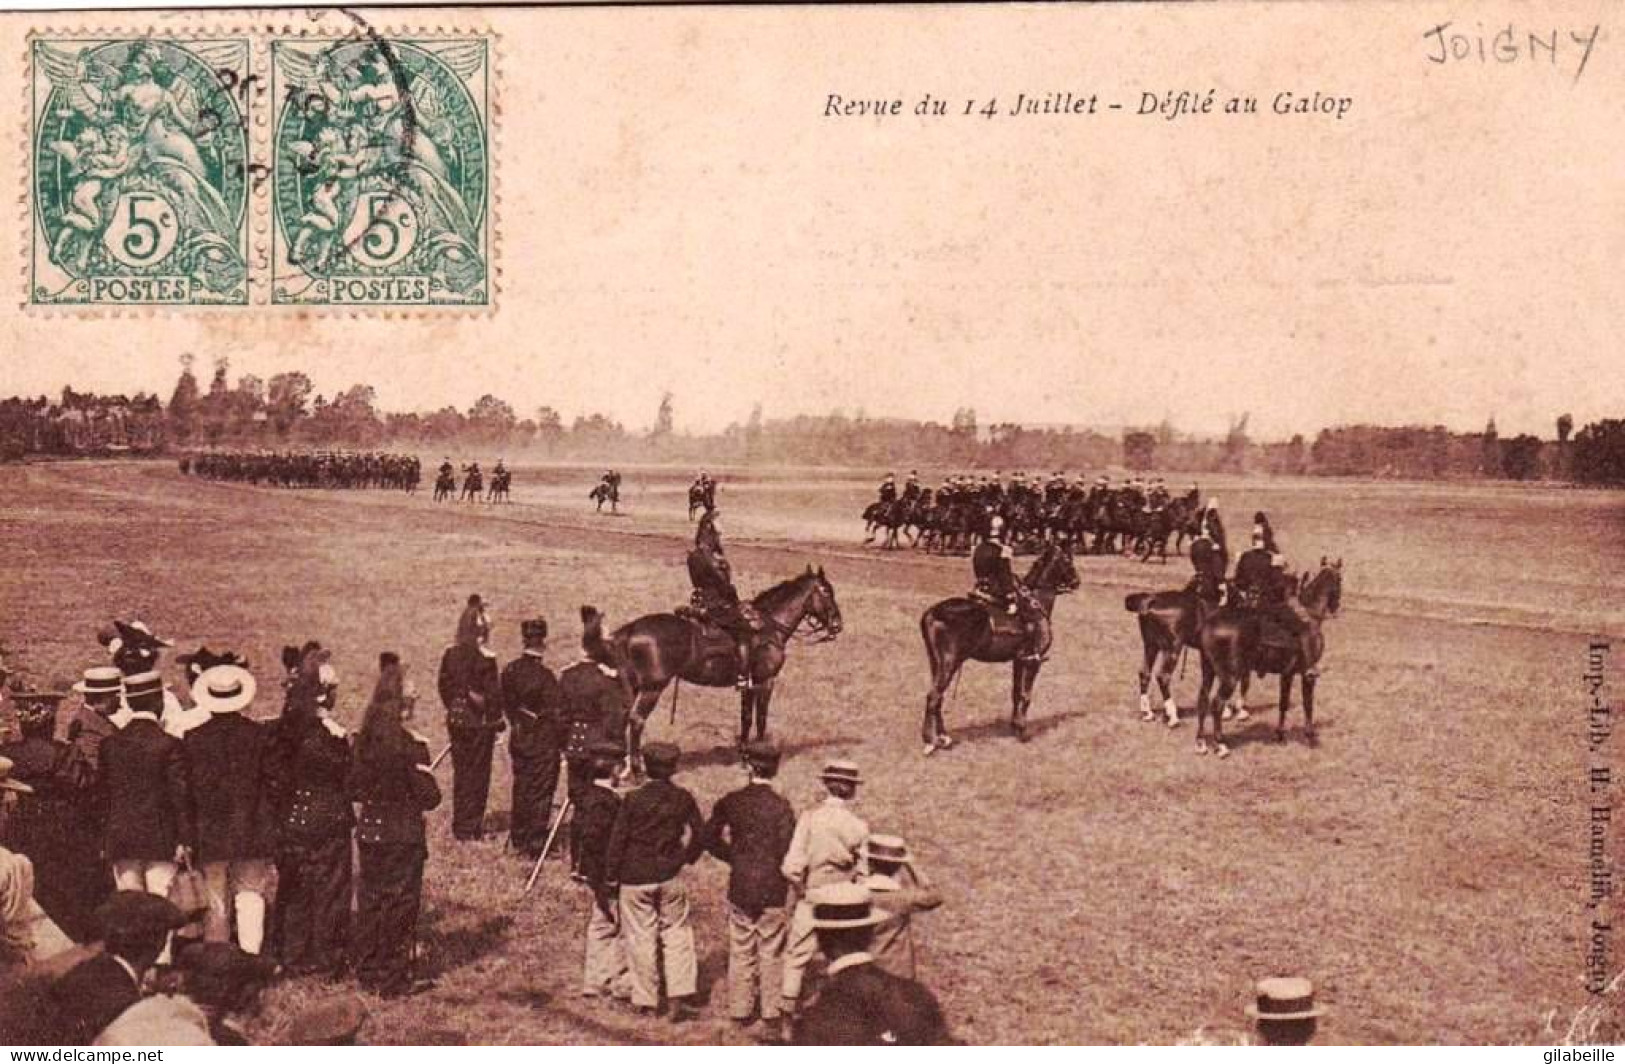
(1262, 584)
(996, 585)
(715, 595)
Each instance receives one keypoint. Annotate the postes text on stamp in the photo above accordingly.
(381, 171)
(139, 157)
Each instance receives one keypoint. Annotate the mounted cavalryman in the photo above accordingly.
(715, 596)
(997, 586)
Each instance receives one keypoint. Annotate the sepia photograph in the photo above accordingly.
(771, 525)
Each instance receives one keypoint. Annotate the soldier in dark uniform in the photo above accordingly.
(1212, 527)
(1262, 584)
(996, 584)
(1257, 582)
(715, 595)
(391, 779)
(860, 1004)
(888, 490)
(911, 487)
(592, 705)
(471, 691)
(530, 698)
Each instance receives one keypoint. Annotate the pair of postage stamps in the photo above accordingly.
(280, 170)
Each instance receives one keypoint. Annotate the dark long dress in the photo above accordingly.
(313, 850)
(57, 830)
(389, 776)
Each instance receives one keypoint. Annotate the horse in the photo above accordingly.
(1186, 514)
(1232, 647)
(890, 516)
(445, 486)
(473, 484)
(958, 630)
(500, 483)
(604, 492)
(701, 498)
(659, 649)
(1169, 622)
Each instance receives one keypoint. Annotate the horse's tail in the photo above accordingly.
(1136, 602)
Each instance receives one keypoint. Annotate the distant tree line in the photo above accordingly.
(286, 412)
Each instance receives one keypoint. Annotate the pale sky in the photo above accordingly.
(675, 212)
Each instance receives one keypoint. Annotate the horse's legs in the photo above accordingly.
(1165, 681)
(1204, 705)
(1023, 674)
(1150, 654)
(764, 695)
(934, 730)
(1309, 681)
(636, 720)
(745, 698)
(1285, 704)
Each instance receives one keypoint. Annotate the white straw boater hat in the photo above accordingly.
(1285, 998)
(842, 905)
(224, 689)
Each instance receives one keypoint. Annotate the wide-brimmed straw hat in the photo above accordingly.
(841, 772)
(1285, 998)
(842, 905)
(100, 680)
(224, 689)
(888, 848)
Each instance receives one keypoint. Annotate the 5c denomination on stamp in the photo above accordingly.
(381, 171)
(139, 157)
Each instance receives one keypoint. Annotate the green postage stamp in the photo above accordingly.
(381, 171)
(139, 178)
(279, 168)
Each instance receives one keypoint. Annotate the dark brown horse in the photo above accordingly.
(662, 648)
(1169, 622)
(1234, 644)
(958, 630)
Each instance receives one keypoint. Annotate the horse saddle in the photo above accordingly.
(1273, 634)
(994, 603)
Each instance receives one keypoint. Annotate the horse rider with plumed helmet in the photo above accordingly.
(996, 584)
(715, 595)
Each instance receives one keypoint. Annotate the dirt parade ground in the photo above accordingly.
(1426, 865)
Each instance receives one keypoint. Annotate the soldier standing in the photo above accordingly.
(530, 698)
(598, 806)
(592, 704)
(471, 691)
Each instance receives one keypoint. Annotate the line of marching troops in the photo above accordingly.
(313, 469)
(161, 861)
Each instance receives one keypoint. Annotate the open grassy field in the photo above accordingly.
(1426, 865)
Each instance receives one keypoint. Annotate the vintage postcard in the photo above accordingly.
(651, 524)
